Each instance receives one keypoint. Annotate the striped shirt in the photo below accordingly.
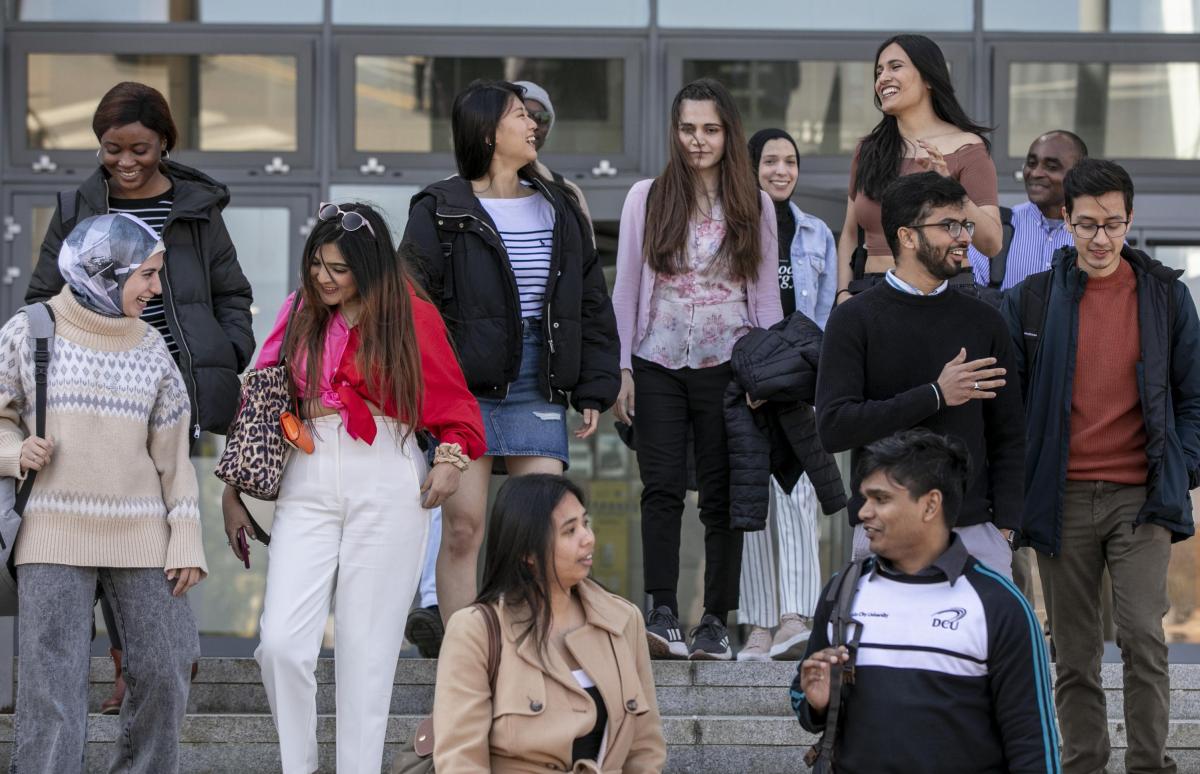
(154, 212)
(1034, 241)
(526, 227)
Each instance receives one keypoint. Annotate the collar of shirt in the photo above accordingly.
(904, 287)
(949, 563)
(1045, 224)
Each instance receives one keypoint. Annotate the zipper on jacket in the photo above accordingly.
(516, 297)
(183, 345)
(548, 319)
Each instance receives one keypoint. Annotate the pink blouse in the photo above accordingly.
(633, 291)
(697, 317)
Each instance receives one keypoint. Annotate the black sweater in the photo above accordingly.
(882, 352)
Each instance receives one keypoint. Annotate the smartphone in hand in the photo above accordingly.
(243, 546)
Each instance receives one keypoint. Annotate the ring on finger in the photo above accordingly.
(975, 386)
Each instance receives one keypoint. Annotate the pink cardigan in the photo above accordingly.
(635, 280)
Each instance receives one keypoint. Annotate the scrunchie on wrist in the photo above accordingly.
(453, 454)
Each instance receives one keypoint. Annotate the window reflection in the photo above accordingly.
(1171, 16)
(543, 13)
(1107, 105)
(402, 103)
(223, 11)
(219, 102)
(825, 105)
(816, 14)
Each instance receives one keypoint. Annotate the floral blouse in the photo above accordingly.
(696, 317)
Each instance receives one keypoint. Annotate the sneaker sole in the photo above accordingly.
(747, 656)
(661, 648)
(791, 650)
(704, 655)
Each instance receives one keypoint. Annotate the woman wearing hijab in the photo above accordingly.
(115, 502)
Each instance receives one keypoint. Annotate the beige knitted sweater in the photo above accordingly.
(120, 490)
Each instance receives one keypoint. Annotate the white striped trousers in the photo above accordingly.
(790, 542)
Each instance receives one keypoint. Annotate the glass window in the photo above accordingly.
(825, 105)
(936, 15)
(220, 102)
(488, 13)
(1186, 257)
(224, 11)
(1107, 104)
(1178, 16)
(402, 103)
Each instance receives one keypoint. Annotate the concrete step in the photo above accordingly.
(684, 688)
(237, 743)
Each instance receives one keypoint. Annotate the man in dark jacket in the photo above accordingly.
(913, 352)
(206, 297)
(1108, 346)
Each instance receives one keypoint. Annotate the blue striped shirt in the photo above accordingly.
(526, 227)
(1033, 244)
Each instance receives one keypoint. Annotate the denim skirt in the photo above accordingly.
(524, 423)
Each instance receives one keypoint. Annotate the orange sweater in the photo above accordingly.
(1108, 431)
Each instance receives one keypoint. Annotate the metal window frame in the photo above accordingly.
(679, 46)
(232, 165)
(1168, 174)
(571, 45)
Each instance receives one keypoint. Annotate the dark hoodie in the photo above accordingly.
(205, 294)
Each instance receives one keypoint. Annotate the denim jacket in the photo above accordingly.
(814, 266)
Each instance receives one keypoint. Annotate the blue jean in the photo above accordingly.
(56, 610)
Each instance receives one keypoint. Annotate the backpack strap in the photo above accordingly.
(1035, 301)
(998, 263)
(41, 330)
(495, 645)
(845, 631)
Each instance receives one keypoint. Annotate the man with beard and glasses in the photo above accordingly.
(911, 353)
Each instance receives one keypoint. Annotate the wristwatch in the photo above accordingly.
(1013, 535)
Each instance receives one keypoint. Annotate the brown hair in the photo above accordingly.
(388, 356)
(672, 200)
(130, 102)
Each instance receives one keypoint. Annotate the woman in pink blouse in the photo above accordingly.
(696, 269)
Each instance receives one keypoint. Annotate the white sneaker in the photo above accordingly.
(792, 637)
(758, 645)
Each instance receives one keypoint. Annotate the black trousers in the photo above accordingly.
(667, 403)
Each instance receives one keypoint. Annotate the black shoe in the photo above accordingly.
(710, 641)
(425, 630)
(664, 635)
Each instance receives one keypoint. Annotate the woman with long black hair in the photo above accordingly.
(574, 690)
(507, 257)
(372, 368)
(923, 128)
(696, 270)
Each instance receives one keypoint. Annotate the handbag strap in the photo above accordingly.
(41, 366)
(287, 328)
(494, 643)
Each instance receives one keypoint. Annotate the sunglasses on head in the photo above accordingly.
(349, 219)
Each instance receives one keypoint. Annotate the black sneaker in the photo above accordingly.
(664, 635)
(425, 630)
(710, 641)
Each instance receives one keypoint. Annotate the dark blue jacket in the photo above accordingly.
(1168, 384)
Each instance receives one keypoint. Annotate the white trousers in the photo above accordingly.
(427, 592)
(793, 533)
(349, 529)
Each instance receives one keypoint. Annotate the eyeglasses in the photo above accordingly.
(541, 116)
(953, 227)
(349, 219)
(1114, 229)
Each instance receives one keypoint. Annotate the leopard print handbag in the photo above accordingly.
(256, 450)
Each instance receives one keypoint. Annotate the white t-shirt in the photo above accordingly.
(526, 227)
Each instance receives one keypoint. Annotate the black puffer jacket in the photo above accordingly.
(466, 271)
(778, 365)
(205, 294)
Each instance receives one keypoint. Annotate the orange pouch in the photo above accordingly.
(295, 432)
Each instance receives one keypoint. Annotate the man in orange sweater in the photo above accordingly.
(1108, 350)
